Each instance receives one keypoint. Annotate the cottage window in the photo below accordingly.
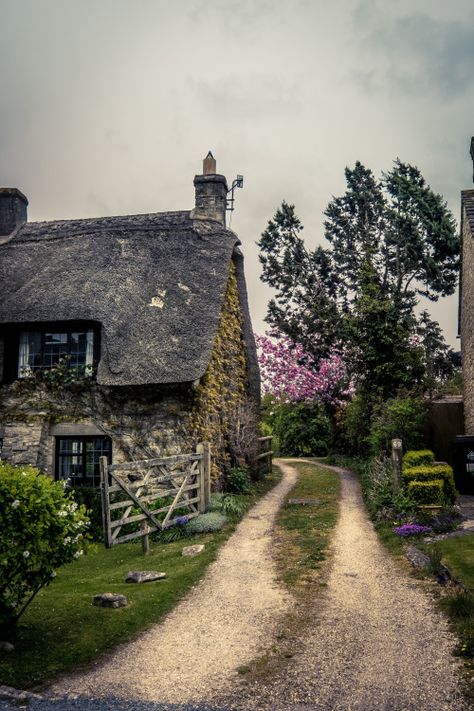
(44, 349)
(77, 459)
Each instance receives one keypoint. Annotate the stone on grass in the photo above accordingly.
(144, 576)
(113, 600)
(193, 550)
(6, 647)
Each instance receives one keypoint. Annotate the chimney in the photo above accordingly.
(211, 193)
(12, 210)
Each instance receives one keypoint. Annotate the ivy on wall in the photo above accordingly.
(222, 390)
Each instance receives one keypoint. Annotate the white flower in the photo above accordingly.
(53, 574)
(62, 513)
(13, 604)
(67, 540)
(15, 504)
(72, 507)
(77, 554)
(26, 554)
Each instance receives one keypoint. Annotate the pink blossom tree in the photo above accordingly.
(291, 374)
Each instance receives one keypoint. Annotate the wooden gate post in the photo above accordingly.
(204, 448)
(145, 538)
(104, 492)
(397, 463)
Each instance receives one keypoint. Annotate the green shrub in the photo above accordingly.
(426, 492)
(418, 458)
(355, 426)
(402, 417)
(42, 528)
(434, 471)
(206, 523)
(238, 481)
(303, 429)
(90, 498)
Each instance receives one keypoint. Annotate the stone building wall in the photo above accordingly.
(467, 322)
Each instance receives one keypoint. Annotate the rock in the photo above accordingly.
(6, 647)
(144, 576)
(193, 550)
(110, 600)
(417, 558)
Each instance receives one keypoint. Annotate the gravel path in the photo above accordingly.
(377, 644)
(222, 624)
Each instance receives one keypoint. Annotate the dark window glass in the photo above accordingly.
(39, 350)
(77, 459)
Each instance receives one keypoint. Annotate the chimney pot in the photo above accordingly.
(209, 165)
(13, 212)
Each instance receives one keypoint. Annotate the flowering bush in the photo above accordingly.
(290, 374)
(41, 528)
(412, 529)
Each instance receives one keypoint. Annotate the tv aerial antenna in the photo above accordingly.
(238, 182)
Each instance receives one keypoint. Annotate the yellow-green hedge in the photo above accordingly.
(427, 492)
(433, 472)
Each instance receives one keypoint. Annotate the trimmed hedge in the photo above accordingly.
(426, 492)
(418, 458)
(431, 472)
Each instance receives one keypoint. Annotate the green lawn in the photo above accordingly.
(458, 555)
(62, 630)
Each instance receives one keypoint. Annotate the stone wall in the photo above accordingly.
(467, 322)
(141, 422)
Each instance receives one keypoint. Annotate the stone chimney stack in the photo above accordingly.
(13, 211)
(211, 193)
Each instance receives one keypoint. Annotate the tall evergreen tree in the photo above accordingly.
(390, 242)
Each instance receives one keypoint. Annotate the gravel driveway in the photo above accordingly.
(377, 644)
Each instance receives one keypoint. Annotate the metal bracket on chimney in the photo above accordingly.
(237, 183)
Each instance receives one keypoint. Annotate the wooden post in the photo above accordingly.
(204, 448)
(397, 462)
(202, 487)
(104, 492)
(207, 472)
(145, 538)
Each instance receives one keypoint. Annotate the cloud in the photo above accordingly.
(251, 97)
(415, 53)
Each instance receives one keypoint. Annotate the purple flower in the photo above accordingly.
(411, 529)
(182, 520)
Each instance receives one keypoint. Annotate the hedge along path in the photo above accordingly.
(219, 626)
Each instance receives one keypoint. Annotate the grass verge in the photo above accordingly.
(301, 549)
(62, 630)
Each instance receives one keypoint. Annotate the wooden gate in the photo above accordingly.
(142, 497)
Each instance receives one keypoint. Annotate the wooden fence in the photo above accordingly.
(139, 498)
(267, 454)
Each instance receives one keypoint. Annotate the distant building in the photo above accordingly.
(125, 336)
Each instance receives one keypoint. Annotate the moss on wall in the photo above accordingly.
(222, 390)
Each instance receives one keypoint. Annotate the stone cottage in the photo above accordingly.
(124, 336)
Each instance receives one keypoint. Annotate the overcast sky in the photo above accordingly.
(108, 106)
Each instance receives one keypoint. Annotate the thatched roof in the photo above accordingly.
(155, 283)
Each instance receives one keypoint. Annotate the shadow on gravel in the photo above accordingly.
(105, 704)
